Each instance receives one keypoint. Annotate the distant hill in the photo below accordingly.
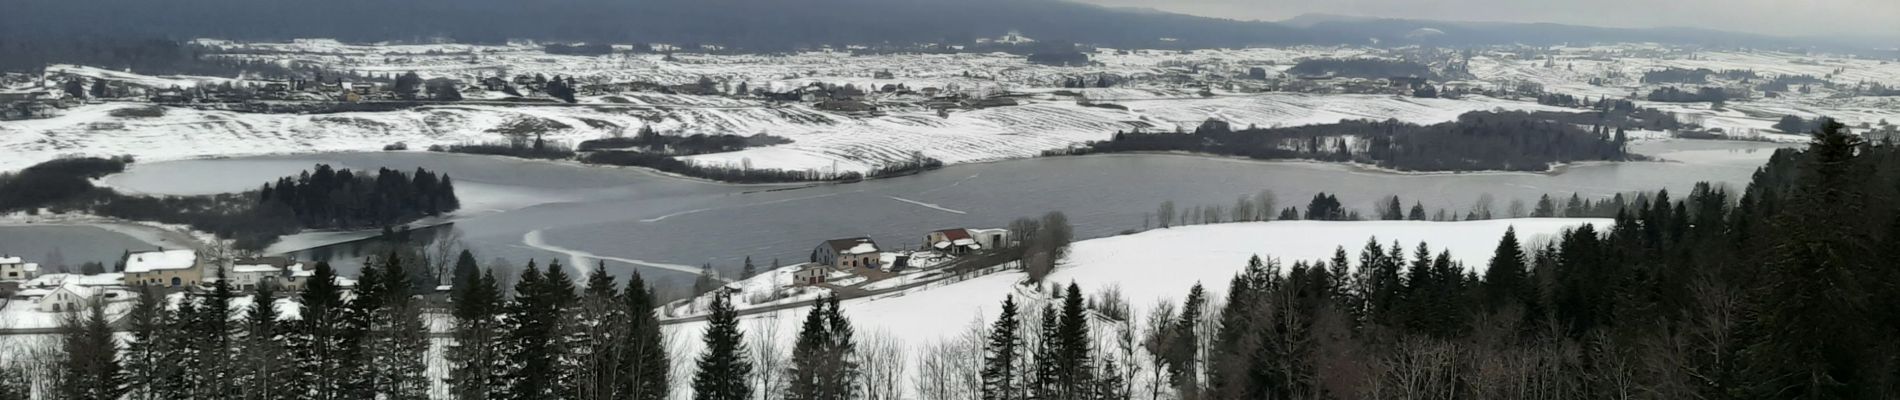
(767, 25)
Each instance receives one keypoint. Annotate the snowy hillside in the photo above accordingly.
(821, 140)
(1158, 265)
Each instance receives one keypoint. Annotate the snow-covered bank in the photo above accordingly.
(1147, 267)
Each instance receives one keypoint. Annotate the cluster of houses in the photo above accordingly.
(853, 256)
(161, 269)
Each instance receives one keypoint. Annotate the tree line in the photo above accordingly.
(1769, 295)
(1513, 141)
(1369, 68)
(746, 174)
(368, 339)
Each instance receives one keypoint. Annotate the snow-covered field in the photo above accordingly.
(1048, 117)
(1045, 120)
(1157, 265)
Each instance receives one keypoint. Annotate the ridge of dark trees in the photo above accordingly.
(1512, 141)
(1706, 94)
(651, 141)
(1773, 292)
(1369, 68)
(742, 174)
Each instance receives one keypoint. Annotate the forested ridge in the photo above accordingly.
(1513, 141)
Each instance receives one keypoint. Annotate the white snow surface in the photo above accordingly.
(1147, 267)
(160, 260)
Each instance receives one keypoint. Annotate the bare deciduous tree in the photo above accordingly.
(883, 366)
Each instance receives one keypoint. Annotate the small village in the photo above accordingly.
(847, 267)
(29, 290)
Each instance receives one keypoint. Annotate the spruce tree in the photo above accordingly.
(529, 337)
(1815, 336)
(1506, 280)
(645, 365)
(1182, 353)
(602, 327)
(151, 364)
(400, 346)
(266, 364)
(319, 343)
(1002, 356)
(475, 360)
(91, 368)
(724, 367)
(841, 377)
(1075, 362)
(806, 374)
(1044, 382)
(208, 362)
(466, 275)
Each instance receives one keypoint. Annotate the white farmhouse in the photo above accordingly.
(67, 298)
(17, 269)
(169, 268)
(252, 276)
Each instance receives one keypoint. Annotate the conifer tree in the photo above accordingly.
(843, 371)
(1002, 356)
(151, 365)
(1506, 281)
(466, 275)
(266, 364)
(723, 365)
(475, 361)
(1182, 355)
(399, 342)
(91, 368)
(320, 343)
(806, 374)
(602, 327)
(645, 365)
(1043, 384)
(532, 324)
(1075, 353)
(208, 363)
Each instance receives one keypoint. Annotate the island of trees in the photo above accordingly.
(322, 198)
(1511, 141)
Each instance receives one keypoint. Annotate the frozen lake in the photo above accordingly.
(519, 209)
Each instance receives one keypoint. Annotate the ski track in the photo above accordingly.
(928, 205)
(700, 210)
(578, 259)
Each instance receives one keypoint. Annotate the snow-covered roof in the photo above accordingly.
(11, 260)
(77, 290)
(852, 246)
(47, 281)
(106, 279)
(33, 292)
(256, 268)
(160, 261)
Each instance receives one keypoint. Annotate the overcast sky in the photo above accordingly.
(1778, 17)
